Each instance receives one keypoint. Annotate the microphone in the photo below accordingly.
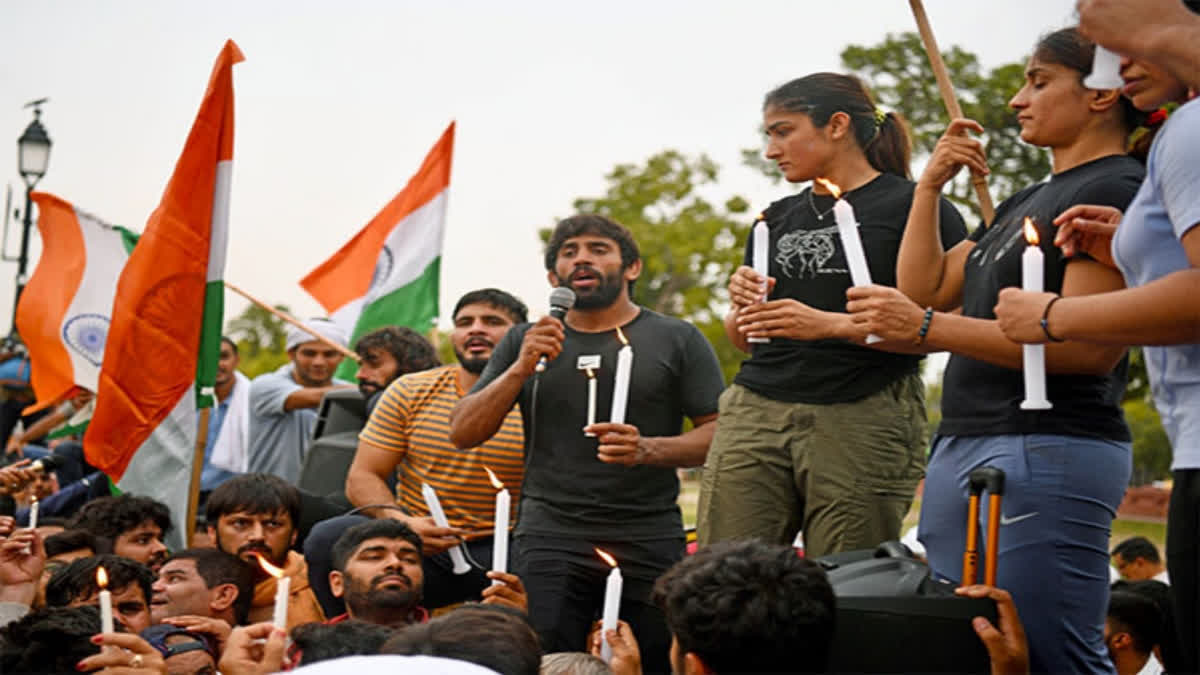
(561, 300)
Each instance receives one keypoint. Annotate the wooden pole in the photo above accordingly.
(948, 97)
(197, 468)
(283, 316)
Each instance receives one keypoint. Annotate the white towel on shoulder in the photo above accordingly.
(230, 451)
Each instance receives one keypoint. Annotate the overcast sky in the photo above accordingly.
(337, 103)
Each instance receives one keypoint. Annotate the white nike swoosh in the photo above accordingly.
(1016, 519)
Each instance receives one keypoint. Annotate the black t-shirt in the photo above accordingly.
(980, 398)
(567, 491)
(808, 264)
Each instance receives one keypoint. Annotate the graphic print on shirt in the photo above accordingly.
(979, 254)
(803, 253)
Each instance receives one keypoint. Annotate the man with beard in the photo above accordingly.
(612, 484)
(134, 525)
(408, 434)
(228, 424)
(377, 572)
(388, 353)
(283, 403)
(254, 516)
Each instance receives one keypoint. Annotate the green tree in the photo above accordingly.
(1151, 448)
(689, 245)
(261, 338)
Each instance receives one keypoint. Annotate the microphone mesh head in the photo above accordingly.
(562, 297)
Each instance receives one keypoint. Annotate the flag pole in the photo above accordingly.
(287, 318)
(194, 485)
(950, 100)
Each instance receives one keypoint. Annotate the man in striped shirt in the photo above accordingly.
(408, 434)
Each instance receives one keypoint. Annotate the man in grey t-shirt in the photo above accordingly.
(283, 403)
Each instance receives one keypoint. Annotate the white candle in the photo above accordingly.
(621, 381)
(106, 615)
(500, 533)
(33, 514)
(612, 607)
(760, 256)
(283, 588)
(591, 403)
(1106, 70)
(856, 259)
(439, 517)
(1033, 356)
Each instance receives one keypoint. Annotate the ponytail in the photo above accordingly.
(883, 137)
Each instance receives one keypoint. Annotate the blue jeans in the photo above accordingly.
(1061, 494)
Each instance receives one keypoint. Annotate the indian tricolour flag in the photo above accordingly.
(160, 360)
(66, 308)
(388, 274)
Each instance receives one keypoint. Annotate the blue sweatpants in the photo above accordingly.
(1061, 493)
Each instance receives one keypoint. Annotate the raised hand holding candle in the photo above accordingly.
(621, 380)
(106, 615)
(1106, 70)
(500, 527)
(760, 256)
(1033, 356)
(283, 589)
(612, 605)
(847, 224)
(439, 517)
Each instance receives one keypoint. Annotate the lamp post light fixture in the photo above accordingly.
(33, 155)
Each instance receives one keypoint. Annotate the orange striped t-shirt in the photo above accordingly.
(412, 418)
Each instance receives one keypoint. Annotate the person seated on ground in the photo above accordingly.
(129, 582)
(573, 663)
(135, 526)
(254, 516)
(64, 548)
(184, 652)
(377, 572)
(201, 583)
(1131, 631)
(747, 606)
(1137, 559)
(49, 640)
(314, 642)
(492, 636)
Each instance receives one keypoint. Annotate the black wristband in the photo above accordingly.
(924, 326)
(1046, 319)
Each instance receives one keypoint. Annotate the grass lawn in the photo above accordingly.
(1122, 528)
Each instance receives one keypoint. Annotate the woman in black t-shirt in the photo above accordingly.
(1067, 466)
(819, 432)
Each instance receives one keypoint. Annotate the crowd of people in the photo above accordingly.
(586, 416)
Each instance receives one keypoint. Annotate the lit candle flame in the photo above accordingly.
(621, 336)
(607, 558)
(761, 217)
(833, 189)
(495, 481)
(1031, 234)
(101, 577)
(268, 567)
(590, 373)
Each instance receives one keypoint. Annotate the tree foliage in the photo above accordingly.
(261, 338)
(690, 246)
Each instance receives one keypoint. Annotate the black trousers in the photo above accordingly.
(565, 580)
(1183, 564)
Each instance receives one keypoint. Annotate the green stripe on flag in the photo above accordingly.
(414, 305)
(210, 343)
(129, 238)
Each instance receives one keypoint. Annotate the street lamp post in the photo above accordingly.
(33, 155)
